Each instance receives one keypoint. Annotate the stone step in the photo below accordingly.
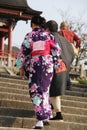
(28, 104)
(29, 122)
(16, 109)
(22, 97)
(12, 128)
(25, 93)
(3, 70)
(16, 112)
(24, 87)
(78, 89)
(14, 96)
(14, 80)
(24, 90)
(76, 93)
(74, 98)
(8, 75)
(23, 108)
(14, 85)
(74, 103)
(13, 90)
(74, 110)
(79, 85)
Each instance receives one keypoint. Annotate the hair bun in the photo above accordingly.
(38, 20)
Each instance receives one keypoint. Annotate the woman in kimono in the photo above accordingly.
(38, 57)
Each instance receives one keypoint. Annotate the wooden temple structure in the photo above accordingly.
(11, 11)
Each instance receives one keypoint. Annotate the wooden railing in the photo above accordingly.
(8, 59)
(5, 53)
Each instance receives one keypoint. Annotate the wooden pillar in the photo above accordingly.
(10, 45)
(10, 39)
(2, 46)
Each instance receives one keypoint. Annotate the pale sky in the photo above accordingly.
(51, 11)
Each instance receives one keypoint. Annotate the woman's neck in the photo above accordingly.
(35, 26)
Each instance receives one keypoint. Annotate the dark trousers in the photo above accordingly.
(68, 82)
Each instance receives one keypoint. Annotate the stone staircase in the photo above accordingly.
(6, 71)
(3, 70)
(16, 110)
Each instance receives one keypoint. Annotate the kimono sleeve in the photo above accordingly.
(55, 49)
(56, 54)
(24, 51)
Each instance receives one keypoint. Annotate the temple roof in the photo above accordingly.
(20, 5)
(14, 3)
(11, 11)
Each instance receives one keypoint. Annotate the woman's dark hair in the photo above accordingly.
(38, 20)
(52, 25)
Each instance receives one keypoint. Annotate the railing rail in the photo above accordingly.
(5, 53)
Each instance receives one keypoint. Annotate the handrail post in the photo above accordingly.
(9, 64)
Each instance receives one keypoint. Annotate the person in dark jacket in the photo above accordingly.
(59, 80)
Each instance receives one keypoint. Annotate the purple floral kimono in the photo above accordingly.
(39, 70)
